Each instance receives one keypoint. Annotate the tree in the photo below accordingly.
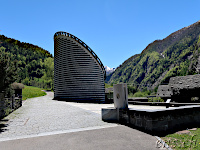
(49, 72)
(8, 70)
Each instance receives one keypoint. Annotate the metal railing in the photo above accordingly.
(84, 45)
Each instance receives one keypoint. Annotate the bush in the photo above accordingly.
(155, 99)
(16, 85)
(131, 90)
(107, 85)
(142, 94)
(139, 94)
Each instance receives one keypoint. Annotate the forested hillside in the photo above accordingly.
(176, 55)
(34, 65)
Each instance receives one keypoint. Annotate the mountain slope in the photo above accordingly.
(34, 64)
(175, 55)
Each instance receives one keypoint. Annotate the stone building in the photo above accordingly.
(78, 72)
(181, 88)
(164, 91)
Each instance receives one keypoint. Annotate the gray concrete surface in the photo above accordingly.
(43, 123)
(113, 138)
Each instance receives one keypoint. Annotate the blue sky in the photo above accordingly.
(114, 29)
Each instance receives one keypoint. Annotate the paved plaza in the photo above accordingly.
(42, 115)
(76, 124)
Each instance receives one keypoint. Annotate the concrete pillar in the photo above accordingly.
(120, 95)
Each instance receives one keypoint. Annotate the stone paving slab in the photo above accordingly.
(44, 115)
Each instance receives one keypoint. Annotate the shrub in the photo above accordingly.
(16, 85)
(155, 99)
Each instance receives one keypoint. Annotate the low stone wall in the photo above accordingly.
(169, 120)
(156, 121)
(8, 105)
(17, 103)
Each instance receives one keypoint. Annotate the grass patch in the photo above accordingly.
(184, 141)
(140, 94)
(30, 92)
(107, 85)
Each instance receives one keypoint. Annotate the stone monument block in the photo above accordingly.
(120, 95)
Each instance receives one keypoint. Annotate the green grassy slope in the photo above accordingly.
(30, 92)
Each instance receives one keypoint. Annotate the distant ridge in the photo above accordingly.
(176, 55)
(109, 70)
(5, 40)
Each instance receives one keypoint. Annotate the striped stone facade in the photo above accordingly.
(78, 72)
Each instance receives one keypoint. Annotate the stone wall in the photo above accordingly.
(162, 121)
(164, 91)
(156, 122)
(8, 105)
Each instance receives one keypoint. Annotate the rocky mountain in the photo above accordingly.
(176, 55)
(109, 70)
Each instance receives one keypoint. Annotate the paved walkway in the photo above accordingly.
(42, 115)
(73, 124)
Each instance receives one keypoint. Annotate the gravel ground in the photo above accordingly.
(44, 115)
